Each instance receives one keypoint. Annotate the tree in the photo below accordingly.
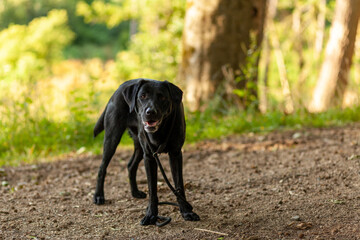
(220, 49)
(334, 73)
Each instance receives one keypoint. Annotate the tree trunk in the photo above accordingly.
(334, 73)
(271, 8)
(217, 36)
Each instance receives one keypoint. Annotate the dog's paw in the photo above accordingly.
(138, 194)
(99, 200)
(148, 220)
(190, 216)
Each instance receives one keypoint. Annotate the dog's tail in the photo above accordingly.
(99, 126)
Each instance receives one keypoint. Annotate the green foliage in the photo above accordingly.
(110, 13)
(26, 52)
(157, 45)
(90, 39)
(32, 132)
(298, 49)
(249, 71)
(155, 49)
(29, 138)
(35, 138)
(211, 124)
(26, 55)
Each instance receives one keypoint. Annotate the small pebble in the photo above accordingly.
(295, 218)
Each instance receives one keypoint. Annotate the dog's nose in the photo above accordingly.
(150, 111)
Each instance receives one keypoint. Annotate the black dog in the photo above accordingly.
(152, 108)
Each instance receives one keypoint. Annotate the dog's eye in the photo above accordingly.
(143, 96)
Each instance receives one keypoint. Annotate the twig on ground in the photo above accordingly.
(205, 230)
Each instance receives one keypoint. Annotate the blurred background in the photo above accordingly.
(244, 66)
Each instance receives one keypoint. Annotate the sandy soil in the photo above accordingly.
(301, 184)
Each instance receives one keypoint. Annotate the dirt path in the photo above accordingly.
(286, 185)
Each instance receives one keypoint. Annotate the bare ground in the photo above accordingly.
(301, 184)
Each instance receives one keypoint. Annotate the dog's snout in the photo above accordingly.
(150, 111)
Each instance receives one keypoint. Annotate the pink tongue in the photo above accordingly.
(151, 124)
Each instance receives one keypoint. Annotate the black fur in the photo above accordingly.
(145, 106)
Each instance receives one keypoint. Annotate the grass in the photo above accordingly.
(38, 139)
(206, 125)
(45, 140)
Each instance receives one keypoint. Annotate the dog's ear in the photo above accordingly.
(130, 92)
(175, 92)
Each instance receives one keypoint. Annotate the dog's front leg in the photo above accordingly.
(151, 172)
(177, 173)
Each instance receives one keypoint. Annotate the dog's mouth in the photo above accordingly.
(151, 125)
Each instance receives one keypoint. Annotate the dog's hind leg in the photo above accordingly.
(114, 129)
(132, 168)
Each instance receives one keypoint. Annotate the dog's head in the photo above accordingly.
(152, 100)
